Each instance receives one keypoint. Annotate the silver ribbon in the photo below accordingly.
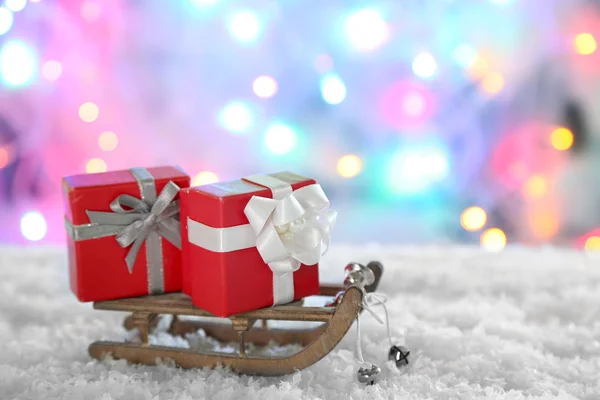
(135, 221)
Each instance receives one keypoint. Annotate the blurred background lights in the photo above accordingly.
(561, 138)
(108, 141)
(465, 55)
(95, 165)
(502, 2)
(585, 44)
(236, 117)
(88, 112)
(264, 86)
(280, 139)
(6, 20)
(543, 222)
(592, 243)
(414, 169)
(18, 63)
(4, 157)
(333, 89)
(493, 239)
(244, 26)
(204, 178)
(492, 83)
(535, 187)
(366, 29)
(33, 226)
(424, 65)
(349, 166)
(15, 5)
(52, 70)
(413, 104)
(473, 219)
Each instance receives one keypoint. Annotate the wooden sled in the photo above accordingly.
(317, 342)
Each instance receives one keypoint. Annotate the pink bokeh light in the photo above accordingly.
(407, 105)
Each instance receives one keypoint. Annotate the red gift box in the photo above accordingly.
(123, 229)
(234, 259)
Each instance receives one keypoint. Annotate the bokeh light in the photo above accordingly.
(6, 20)
(264, 86)
(492, 83)
(493, 239)
(95, 165)
(592, 243)
(280, 139)
(88, 112)
(15, 5)
(424, 65)
(244, 26)
(561, 139)
(479, 68)
(465, 55)
(473, 218)
(585, 44)
(535, 187)
(33, 226)
(333, 89)
(52, 70)
(18, 63)
(237, 117)
(204, 178)
(108, 141)
(366, 29)
(417, 167)
(4, 157)
(406, 105)
(349, 166)
(543, 221)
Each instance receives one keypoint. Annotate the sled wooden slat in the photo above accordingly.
(181, 304)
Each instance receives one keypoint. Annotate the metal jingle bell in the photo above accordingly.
(368, 376)
(399, 355)
(359, 275)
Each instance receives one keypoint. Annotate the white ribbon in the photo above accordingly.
(305, 247)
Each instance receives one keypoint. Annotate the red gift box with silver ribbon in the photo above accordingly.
(254, 242)
(124, 232)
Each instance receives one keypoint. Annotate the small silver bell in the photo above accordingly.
(399, 355)
(359, 275)
(368, 375)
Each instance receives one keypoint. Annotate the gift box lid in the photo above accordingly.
(222, 204)
(96, 191)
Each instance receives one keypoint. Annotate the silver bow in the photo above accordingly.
(141, 220)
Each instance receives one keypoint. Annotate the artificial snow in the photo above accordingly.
(519, 324)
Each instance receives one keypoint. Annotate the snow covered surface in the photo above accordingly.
(520, 324)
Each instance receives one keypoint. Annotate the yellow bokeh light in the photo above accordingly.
(543, 223)
(535, 187)
(349, 166)
(473, 219)
(205, 178)
(493, 239)
(592, 243)
(88, 112)
(585, 44)
(108, 141)
(561, 139)
(478, 68)
(95, 165)
(492, 83)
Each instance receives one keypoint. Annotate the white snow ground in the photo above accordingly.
(520, 324)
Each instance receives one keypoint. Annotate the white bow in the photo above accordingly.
(307, 205)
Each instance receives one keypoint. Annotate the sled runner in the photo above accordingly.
(337, 318)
